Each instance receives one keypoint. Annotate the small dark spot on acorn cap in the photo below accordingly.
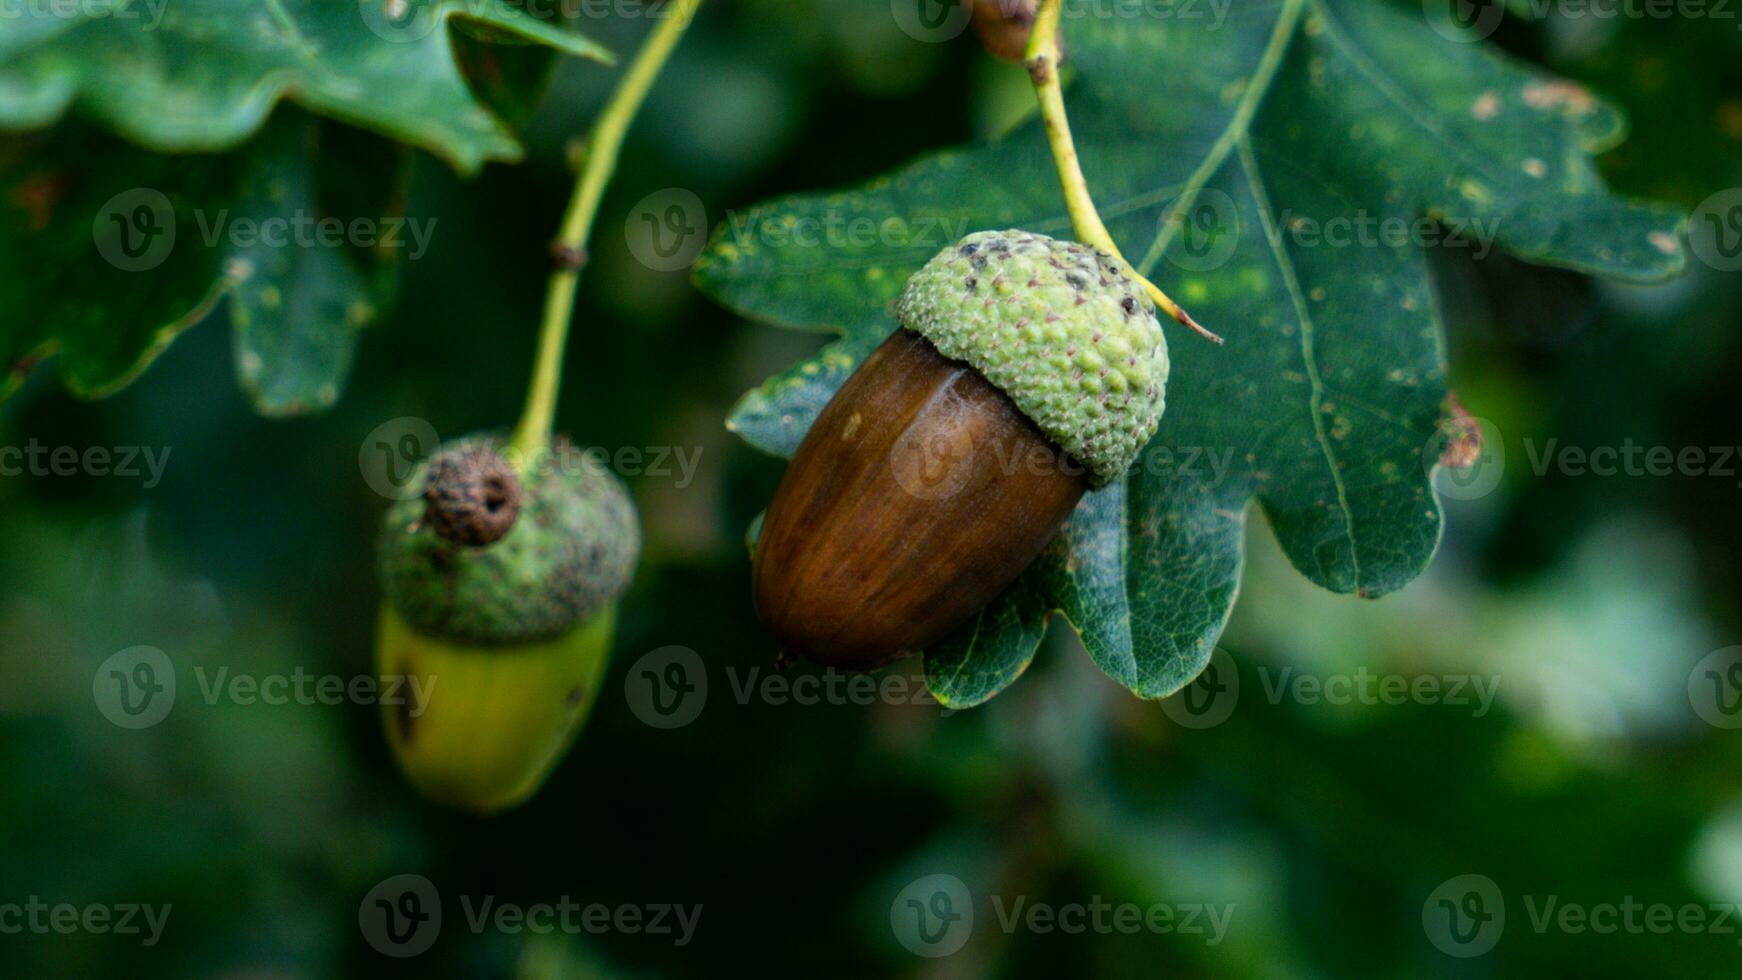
(1077, 282)
(969, 249)
(1129, 305)
(972, 283)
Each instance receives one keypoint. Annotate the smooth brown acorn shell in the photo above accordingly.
(918, 495)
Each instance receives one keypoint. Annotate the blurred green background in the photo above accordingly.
(1585, 603)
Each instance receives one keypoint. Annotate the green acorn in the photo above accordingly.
(501, 588)
(1026, 372)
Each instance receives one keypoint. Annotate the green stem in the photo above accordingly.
(604, 143)
(1042, 61)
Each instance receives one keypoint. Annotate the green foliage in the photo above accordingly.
(204, 75)
(1324, 405)
(204, 81)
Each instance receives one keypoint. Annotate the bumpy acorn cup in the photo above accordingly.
(501, 590)
(1026, 372)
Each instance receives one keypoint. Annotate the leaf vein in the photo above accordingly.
(1262, 75)
(1254, 179)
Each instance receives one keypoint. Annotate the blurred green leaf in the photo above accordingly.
(65, 199)
(203, 75)
(297, 309)
(136, 247)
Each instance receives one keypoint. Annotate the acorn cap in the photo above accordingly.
(1061, 328)
(489, 557)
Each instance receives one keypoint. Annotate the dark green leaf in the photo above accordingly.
(99, 223)
(136, 247)
(1224, 158)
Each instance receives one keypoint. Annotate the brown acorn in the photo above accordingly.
(1004, 26)
(1026, 372)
